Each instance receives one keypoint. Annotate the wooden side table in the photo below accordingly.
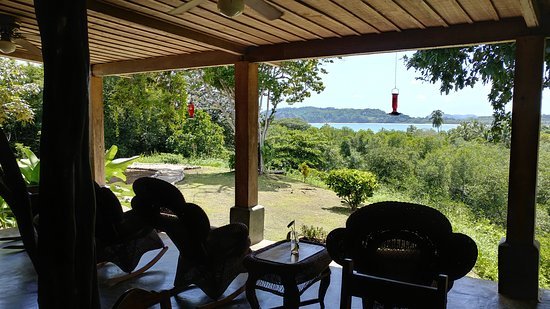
(272, 269)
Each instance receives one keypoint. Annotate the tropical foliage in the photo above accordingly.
(437, 119)
(115, 168)
(353, 186)
(21, 102)
(289, 81)
(458, 68)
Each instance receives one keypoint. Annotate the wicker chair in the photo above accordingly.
(122, 237)
(403, 241)
(210, 258)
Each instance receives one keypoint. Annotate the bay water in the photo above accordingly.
(376, 127)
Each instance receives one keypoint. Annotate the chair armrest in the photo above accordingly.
(459, 256)
(335, 244)
(228, 240)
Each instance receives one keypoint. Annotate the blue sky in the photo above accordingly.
(367, 81)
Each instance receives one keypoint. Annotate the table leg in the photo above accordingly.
(251, 291)
(292, 295)
(323, 287)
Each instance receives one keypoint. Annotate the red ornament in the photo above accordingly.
(191, 109)
(394, 95)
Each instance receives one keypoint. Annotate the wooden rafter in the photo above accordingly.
(457, 35)
(185, 61)
(153, 23)
(531, 12)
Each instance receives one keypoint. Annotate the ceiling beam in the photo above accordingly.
(436, 37)
(531, 12)
(22, 55)
(185, 61)
(157, 24)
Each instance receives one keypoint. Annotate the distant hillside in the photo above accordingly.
(369, 115)
(351, 115)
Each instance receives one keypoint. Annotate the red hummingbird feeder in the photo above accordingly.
(395, 93)
(191, 109)
(394, 103)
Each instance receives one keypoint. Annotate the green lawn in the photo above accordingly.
(284, 199)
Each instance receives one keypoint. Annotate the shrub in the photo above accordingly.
(313, 233)
(353, 186)
(304, 170)
(7, 219)
(115, 168)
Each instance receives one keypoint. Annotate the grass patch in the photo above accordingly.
(287, 198)
(171, 158)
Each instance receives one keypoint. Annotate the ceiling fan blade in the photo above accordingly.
(265, 9)
(185, 7)
(31, 48)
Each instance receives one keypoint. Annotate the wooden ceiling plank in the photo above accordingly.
(210, 23)
(531, 13)
(103, 41)
(249, 18)
(324, 17)
(455, 35)
(160, 25)
(312, 17)
(338, 12)
(145, 33)
(413, 18)
(434, 13)
(174, 62)
(295, 19)
(392, 11)
(466, 14)
(480, 10)
(451, 11)
(281, 24)
(109, 33)
(506, 9)
(113, 51)
(369, 15)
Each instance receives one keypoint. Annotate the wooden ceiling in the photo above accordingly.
(127, 36)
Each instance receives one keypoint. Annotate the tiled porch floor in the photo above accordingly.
(18, 285)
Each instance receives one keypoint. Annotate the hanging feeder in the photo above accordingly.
(191, 109)
(395, 92)
(394, 103)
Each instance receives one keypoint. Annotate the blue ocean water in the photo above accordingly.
(376, 127)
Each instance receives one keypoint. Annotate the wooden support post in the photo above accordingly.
(518, 254)
(97, 143)
(246, 209)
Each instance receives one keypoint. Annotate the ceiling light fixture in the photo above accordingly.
(231, 8)
(7, 47)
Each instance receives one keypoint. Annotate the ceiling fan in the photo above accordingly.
(11, 38)
(232, 8)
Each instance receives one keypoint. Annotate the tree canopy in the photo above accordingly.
(437, 119)
(289, 81)
(21, 101)
(457, 68)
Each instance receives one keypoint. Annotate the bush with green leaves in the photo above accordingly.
(198, 137)
(304, 170)
(115, 168)
(313, 233)
(7, 219)
(29, 166)
(353, 186)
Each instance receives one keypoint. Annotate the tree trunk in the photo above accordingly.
(66, 248)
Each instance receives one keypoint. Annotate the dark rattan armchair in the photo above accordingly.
(122, 237)
(210, 258)
(403, 241)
